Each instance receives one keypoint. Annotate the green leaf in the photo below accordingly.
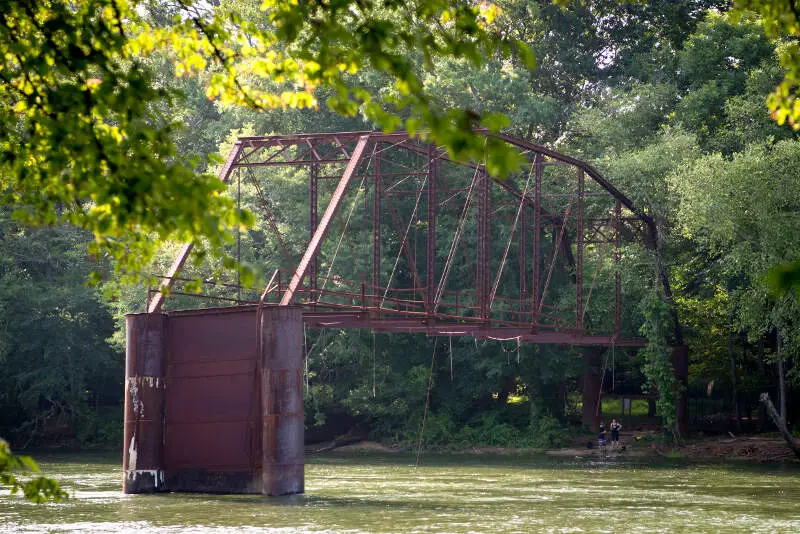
(784, 278)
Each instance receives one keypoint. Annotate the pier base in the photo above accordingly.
(214, 401)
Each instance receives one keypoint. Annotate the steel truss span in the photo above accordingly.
(397, 237)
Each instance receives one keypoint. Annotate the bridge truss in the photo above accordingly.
(533, 257)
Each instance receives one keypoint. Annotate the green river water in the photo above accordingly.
(446, 493)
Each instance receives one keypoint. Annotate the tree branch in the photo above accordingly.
(780, 423)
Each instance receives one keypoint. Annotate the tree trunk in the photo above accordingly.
(651, 408)
(536, 402)
(734, 382)
(663, 276)
(781, 383)
(762, 410)
(781, 424)
(680, 364)
(560, 404)
(592, 358)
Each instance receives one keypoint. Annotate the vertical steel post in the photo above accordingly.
(523, 259)
(537, 231)
(322, 229)
(579, 257)
(376, 229)
(430, 269)
(487, 243)
(483, 228)
(312, 227)
(238, 238)
(617, 277)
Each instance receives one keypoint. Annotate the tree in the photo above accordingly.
(57, 365)
(87, 137)
(781, 19)
(39, 489)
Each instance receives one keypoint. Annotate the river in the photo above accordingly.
(446, 493)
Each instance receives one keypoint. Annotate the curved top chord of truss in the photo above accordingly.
(519, 253)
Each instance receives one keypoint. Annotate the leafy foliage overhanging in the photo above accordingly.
(85, 138)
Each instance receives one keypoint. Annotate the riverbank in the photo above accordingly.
(758, 449)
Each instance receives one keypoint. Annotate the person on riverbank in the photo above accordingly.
(615, 428)
(601, 436)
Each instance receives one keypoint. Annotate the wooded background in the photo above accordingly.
(667, 99)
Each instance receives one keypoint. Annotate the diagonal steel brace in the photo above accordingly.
(322, 228)
(186, 249)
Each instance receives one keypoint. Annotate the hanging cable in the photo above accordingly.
(270, 216)
(555, 256)
(427, 401)
(347, 224)
(510, 239)
(504, 348)
(305, 351)
(341, 237)
(456, 239)
(448, 265)
(320, 338)
(238, 238)
(402, 244)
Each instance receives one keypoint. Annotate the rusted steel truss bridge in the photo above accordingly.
(532, 257)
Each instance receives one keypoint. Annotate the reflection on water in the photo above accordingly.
(372, 493)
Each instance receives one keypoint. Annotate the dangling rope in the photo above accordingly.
(509, 351)
(451, 358)
(427, 401)
(613, 364)
(600, 393)
(320, 338)
(373, 365)
(503, 346)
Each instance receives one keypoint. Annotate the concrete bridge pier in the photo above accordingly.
(214, 401)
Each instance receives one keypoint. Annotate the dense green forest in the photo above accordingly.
(667, 99)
